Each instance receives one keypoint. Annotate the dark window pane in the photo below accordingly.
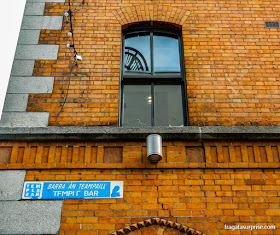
(137, 101)
(137, 53)
(166, 54)
(168, 105)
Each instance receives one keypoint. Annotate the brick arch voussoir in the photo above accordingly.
(157, 221)
(151, 12)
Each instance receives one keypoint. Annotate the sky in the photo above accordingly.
(166, 51)
(11, 13)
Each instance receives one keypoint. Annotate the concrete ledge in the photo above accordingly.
(23, 68)
(11, 185)
(24, 119)
(34, 9)
(36, 52)
(30, 217)
(15, 102)
(42, 22)
(97, 133)
(29, 37)
(34, 85)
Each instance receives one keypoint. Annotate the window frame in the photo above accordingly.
(153, 78)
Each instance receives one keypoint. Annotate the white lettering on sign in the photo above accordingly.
(72, 186)
(56, 186)
(91, 193)
(64, 193)
(92, 186)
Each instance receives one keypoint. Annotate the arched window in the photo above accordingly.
(152, 77)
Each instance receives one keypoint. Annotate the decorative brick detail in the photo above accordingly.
(242, 152)
(5, 155)
(40, 155)
(151, 12)
(157, 221)
(195, 154)
(112, 155)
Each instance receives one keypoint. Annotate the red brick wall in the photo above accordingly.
(231, 61)
(204, 199)
(200, 185)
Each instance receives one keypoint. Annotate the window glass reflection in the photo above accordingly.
(137, 53)
(166, 54)
(168, 105)
(137, 101)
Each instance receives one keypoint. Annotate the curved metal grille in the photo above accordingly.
(134, 60)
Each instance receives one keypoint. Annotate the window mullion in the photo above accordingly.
(153, 103)
(152, 72)
(152, 51)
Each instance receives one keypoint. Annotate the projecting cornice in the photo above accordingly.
(189, 133)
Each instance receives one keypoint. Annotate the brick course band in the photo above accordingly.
(176, 154)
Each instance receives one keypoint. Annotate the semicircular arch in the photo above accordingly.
(163, 226)
(151, 12)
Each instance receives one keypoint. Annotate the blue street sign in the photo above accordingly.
(72, 189)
